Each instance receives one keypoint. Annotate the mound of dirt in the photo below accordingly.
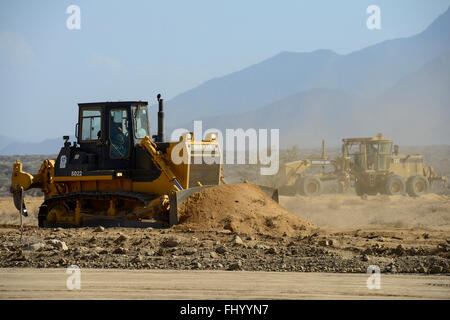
(241, 208)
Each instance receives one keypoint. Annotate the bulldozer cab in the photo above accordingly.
(369, 154)
(112, 130)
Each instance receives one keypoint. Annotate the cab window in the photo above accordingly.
(372, 153)
(384, 155)
(140, 121)
(118, 133)
(90, 124)
(356, 152)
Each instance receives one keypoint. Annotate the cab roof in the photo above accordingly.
(113, 104)
(378, 137)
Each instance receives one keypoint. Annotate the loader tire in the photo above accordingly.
(311, 186)
(395, 185)
(417, 186)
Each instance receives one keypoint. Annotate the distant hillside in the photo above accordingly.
(368, 73)
(49, 146)
(4, 141)
(415, 110)
(252, 87)
(303, 119)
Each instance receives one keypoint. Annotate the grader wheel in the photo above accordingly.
(417, 185)
(395, 185)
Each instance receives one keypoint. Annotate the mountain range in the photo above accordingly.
(399, 87)
(415, 109)
(368, 72)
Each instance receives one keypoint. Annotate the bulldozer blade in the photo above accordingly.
(177, 198)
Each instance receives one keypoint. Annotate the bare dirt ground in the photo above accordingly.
(162, 284)
(408, 238)
(347, 211)
(399, 234)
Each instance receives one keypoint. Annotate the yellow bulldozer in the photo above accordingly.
(114, 174)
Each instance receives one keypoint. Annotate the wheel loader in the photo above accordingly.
(114, 174)
(376, 167)
(295, 181)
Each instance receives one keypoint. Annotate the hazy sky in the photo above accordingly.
(131, 50)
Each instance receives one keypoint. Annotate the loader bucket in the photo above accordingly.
(177, 198)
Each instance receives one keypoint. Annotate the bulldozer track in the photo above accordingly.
(140, 198)
(144, 198)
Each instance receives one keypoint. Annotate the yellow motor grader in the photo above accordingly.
(372, 165)
(115, 174)
(376, 167)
